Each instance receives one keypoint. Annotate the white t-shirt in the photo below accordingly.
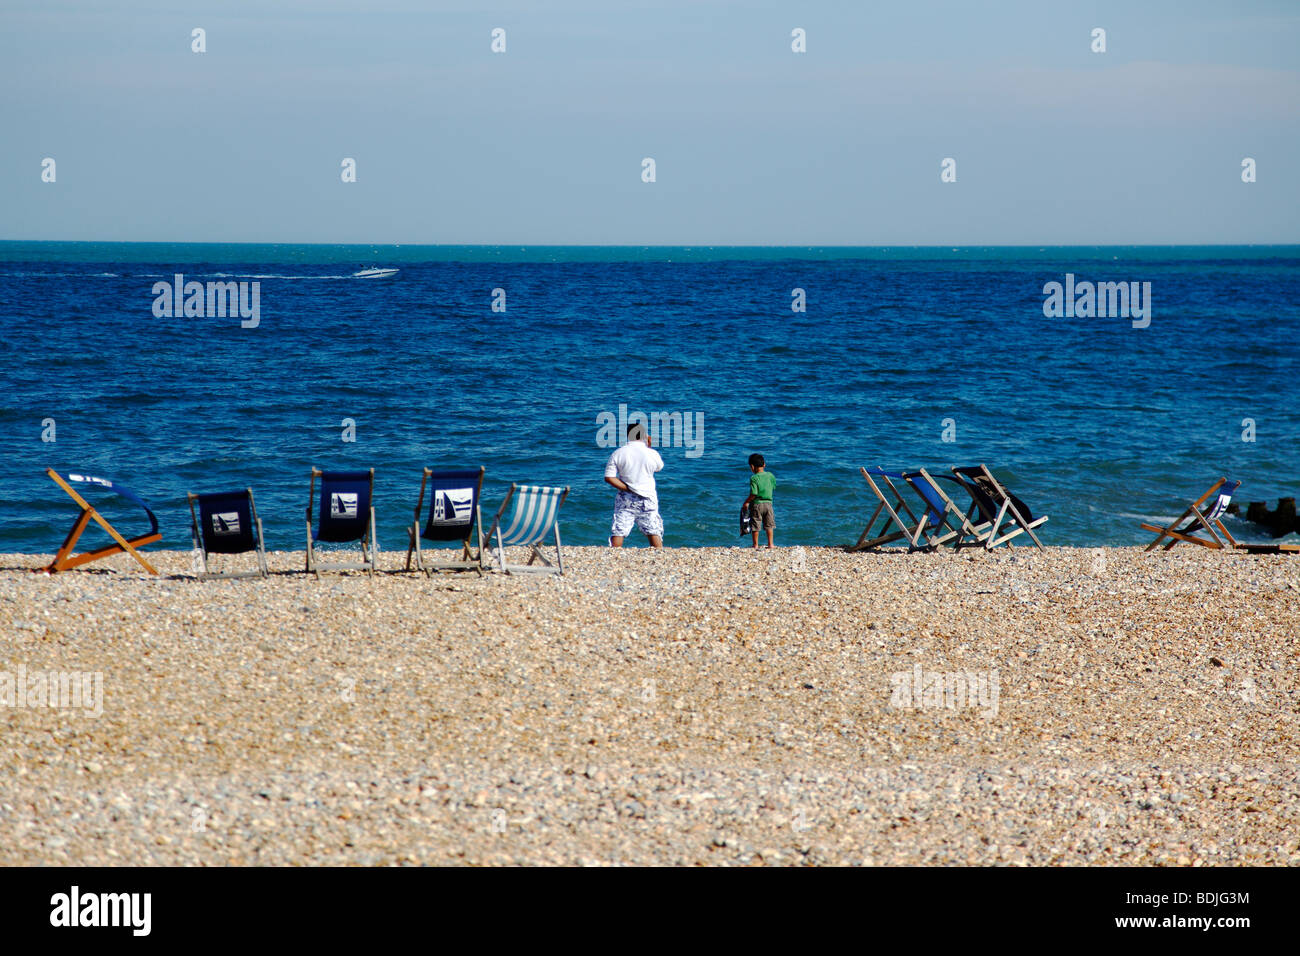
(635, 465)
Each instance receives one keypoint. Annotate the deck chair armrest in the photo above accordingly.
(311, 496)
(495, 527)
(496, 519)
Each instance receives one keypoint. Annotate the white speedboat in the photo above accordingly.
(375, 273)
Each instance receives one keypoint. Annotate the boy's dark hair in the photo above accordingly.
(756, 461)
(635, 431)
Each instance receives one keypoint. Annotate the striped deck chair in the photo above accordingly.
(453, 517)
(227, 523)
(347, 516)
(535, 514)
(65, 560)
(1200, 520)
(997, 507)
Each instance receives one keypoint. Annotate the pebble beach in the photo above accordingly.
(689, 707)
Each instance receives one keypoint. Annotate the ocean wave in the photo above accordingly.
(196, 276)
(265, 275)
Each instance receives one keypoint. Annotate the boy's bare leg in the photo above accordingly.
(769, 537)
(615, 541)
(656, 541)
(755, 532)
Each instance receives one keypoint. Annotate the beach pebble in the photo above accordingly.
(669, 709)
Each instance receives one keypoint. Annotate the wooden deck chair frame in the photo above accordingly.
(368, 558)
(200, 545)
(469, 561)
(966, 532)
(1200, 520)
(1004, 507)
(890, 512)
(536, 552)
(65, 560)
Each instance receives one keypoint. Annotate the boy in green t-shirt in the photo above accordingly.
(761, 484)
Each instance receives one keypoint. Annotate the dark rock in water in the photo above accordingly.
(1280, 521)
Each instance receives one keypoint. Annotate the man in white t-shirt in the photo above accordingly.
(631, 469)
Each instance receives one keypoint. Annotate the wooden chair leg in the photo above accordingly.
(69, 542)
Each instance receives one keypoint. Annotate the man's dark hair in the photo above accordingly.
(635, 431)
(756, 461)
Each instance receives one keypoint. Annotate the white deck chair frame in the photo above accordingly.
(1004, 508)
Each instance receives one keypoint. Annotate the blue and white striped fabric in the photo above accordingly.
(1224, 499)
(117, 488)
(533, 516)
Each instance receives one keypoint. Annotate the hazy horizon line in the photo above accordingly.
(658, 245)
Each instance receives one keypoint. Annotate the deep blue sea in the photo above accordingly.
(903, 357)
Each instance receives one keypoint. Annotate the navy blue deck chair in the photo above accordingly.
(347, 516)
(65, 560)
(453, 517)
(227, 523)
(945, 521)
(535, 515)
(997, 507)
(941, 522)
(1207, 521)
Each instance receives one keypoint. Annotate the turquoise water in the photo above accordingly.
(1090, 420)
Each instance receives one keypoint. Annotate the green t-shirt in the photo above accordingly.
(761, 485)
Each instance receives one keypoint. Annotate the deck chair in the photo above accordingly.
(227, 523)
(65, 560)
(347, 516)
(946, 522)
(453, 516)
(887, 510)
(535, 514)
(997, 507)
(1207, 521)
(922, 534)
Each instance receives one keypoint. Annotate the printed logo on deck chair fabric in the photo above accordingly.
(227, 522)
(452, 506)
(343, 504)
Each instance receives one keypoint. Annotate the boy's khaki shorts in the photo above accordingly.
(760, 515)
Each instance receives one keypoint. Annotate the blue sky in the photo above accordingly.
(754, 144)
